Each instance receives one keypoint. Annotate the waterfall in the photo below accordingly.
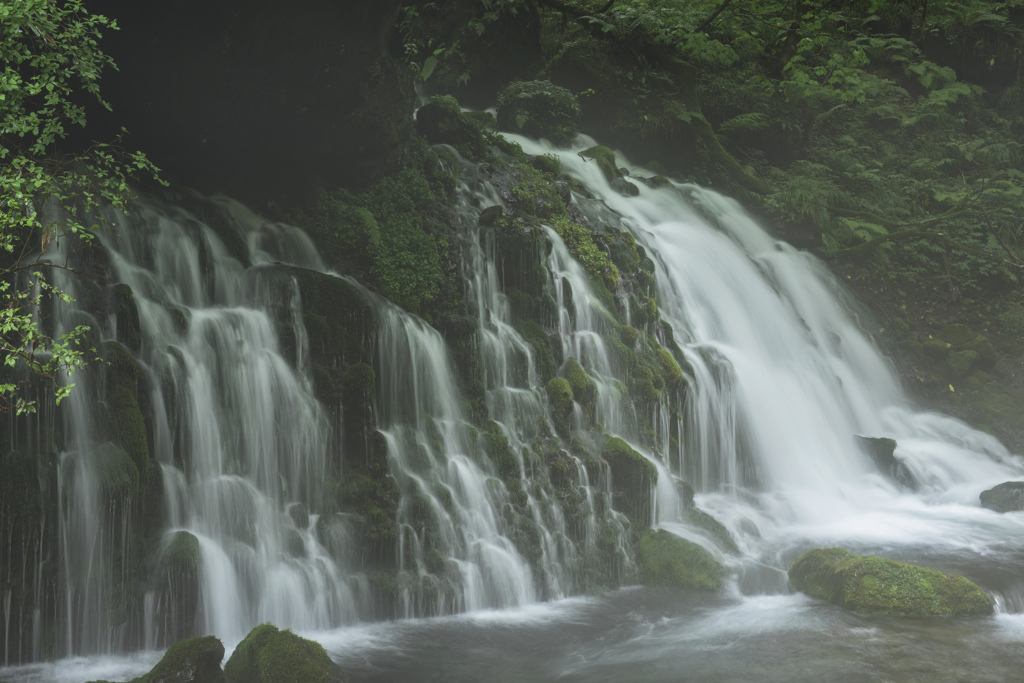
(232, 460)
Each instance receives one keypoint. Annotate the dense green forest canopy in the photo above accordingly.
(886, 131)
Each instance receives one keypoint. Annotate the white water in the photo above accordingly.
(782, 381)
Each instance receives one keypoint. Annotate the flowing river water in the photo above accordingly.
(783, 379)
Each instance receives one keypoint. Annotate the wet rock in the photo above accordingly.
(195, 660)
(875, 585)
(664, 559)
(269, 655)
(882, 453)
(633, 477)
(1007, 497)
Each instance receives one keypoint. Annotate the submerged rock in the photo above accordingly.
(1007, 497)
(874, 585)
(269, 655)
(664, 559)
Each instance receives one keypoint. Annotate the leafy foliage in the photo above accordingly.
(51, 59)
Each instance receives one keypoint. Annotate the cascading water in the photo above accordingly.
(492, 510)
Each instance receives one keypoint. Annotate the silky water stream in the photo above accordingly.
(783, 379)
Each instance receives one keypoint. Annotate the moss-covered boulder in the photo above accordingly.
(605, 159)
(664, 559)
(194, 660)
(269, 655)
(874, 585)
(539, 109)
(633, 478)
(584, 389)
(560, 400)
(964, 340)
(127, 427)
(712, 527)
(1007, 497)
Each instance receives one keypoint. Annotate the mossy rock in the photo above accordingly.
(129, 330)
(498, 450)
(874, 585)
(936, 349)
(960, 363)
(560, 400)
(126, 424)
(1007, 497)
(605, 159)
(539, 109)
(986, 352)
(713, 527)
(181, 554)
(664, 559)
(269, 655)
(584, 389)
(670, 370)
(117, 472)
(194, 660)
(633, 477)
(956, 335)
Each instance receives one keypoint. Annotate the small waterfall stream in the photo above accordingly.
(779, 383)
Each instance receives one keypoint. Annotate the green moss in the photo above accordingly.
(642, 384)
(548, 164)
(670, 369)
(664, 559)
(874, 585)
(534, 195)
(181, 555)
(195, 660)
(959, 363)
(605, 159)
(393, 233)
(581, 245)
(936, 349)
(584, 389)
(268, 655)
(540, 340)
(560, 400)
(482, 118)
(633, 478)
(117, 472)
(628, 335)
(712, 526)
(357, 381)
(498, 450)
(127, 426)
(539, 109)
(956, 335)
(446, 102)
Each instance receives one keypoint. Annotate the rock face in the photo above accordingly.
(874, 585)
(664, 559)
(1008, 497)
(269, 655)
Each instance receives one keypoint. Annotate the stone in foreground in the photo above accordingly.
(269, 655)
(874, 585)
(664, 559)
(193, 660)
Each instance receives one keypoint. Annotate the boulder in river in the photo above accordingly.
(875, 585)
(1007, 497)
